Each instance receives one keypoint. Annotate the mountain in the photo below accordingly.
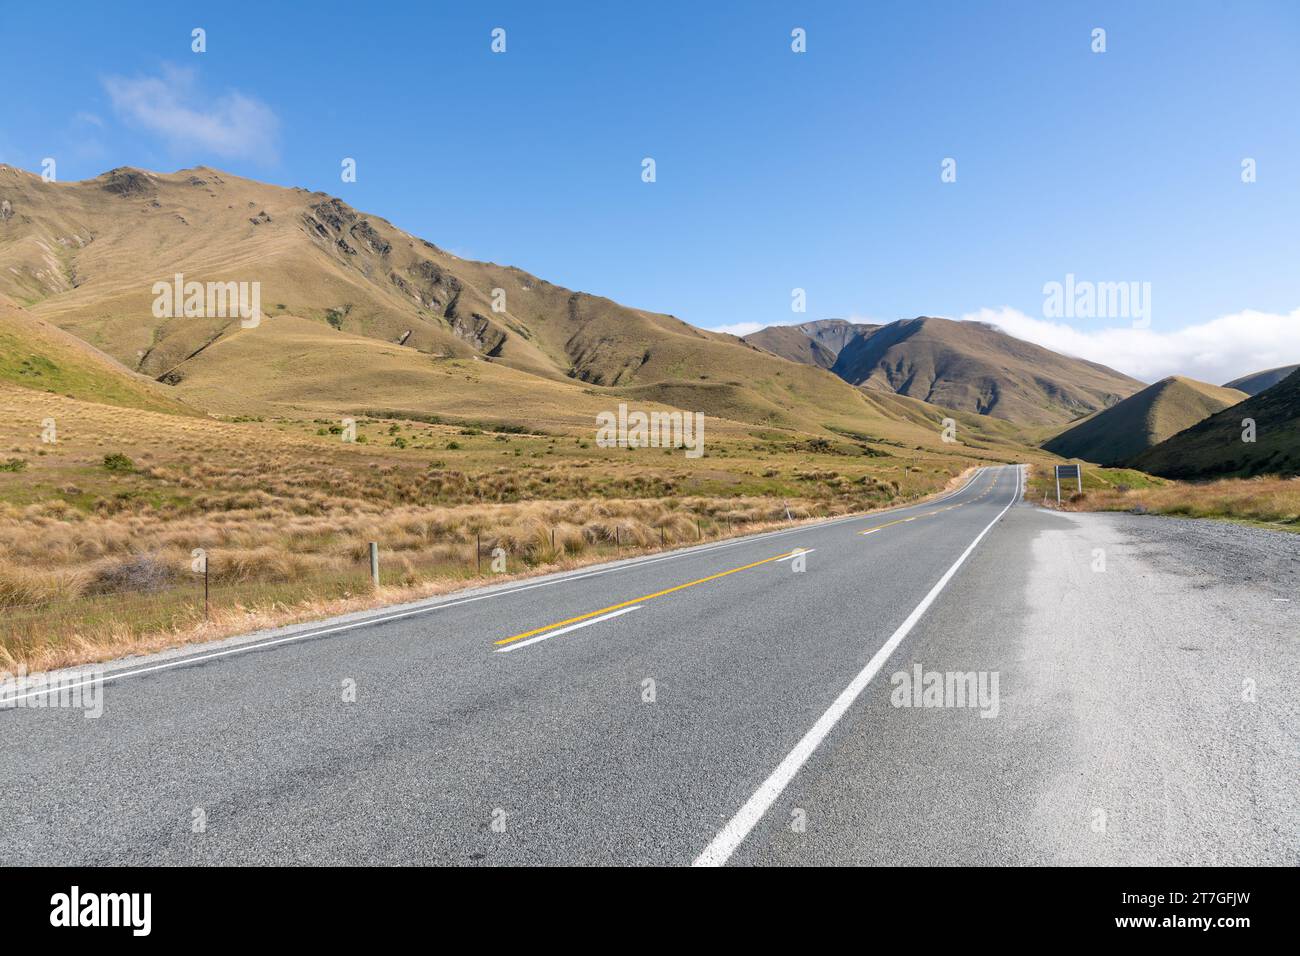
(1257, 382)
(970, 366)
(961, 366)
(811, 343)
(1214, 448)
(789, 342)
(358, 314)
(834, 334)
(40, 356)
(1143, 420)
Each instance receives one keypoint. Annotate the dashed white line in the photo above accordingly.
(566, 630)
(795, 553)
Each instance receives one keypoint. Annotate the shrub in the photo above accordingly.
(141, 572)
(118, 462)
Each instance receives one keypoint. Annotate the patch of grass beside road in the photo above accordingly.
(1265, 501)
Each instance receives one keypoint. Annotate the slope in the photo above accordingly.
(87, 255)
(37, 355)
(1256, 382)
(1217, 447)
(973, 367)
(1142, 420)
(811, 343)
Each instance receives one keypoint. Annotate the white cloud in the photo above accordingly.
(1216, 351)
(170, 105)
(739, 328)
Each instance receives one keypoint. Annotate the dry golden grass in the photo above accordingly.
(95, 561)
(1270, 501)
(89, 629)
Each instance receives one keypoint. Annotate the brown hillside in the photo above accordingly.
(1214, 448)
(973, 367)
(86, 256)
(1132, 426)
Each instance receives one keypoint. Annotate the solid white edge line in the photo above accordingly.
(429, 609)
(566, 630)
(729, 838)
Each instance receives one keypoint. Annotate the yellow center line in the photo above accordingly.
(890, 524)
(887, 524)
(647, 597)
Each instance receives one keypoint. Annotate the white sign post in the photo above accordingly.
(1068, 471)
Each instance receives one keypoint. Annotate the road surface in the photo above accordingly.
(736, 703)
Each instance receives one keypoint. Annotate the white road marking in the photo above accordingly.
(795, 553)
(566, 630)
(430, 608)
(737, 829)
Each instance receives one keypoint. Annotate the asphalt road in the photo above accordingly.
(734, 703)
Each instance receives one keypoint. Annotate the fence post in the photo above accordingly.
(478, 552)
(207, 607)
(374, 562)
(552, 542)
(618, 544)
(699, 532)
(663, 538)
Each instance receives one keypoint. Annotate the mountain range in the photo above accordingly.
(357, 314)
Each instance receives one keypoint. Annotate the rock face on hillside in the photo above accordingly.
(811, 343)
(966, 366)
(340, 287)
(335, 281)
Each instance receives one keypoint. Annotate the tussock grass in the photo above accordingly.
(96, 562)
(1267, 500)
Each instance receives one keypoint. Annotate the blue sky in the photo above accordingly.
(775, 170)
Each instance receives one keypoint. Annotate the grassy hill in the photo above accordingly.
(1140, 421)
(976, 368)
(1214, 447)
(1256, 382)
(40, 356)
(359, 313)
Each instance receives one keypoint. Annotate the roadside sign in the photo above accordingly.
(1068, 471)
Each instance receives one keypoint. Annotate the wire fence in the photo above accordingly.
(201, 595)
